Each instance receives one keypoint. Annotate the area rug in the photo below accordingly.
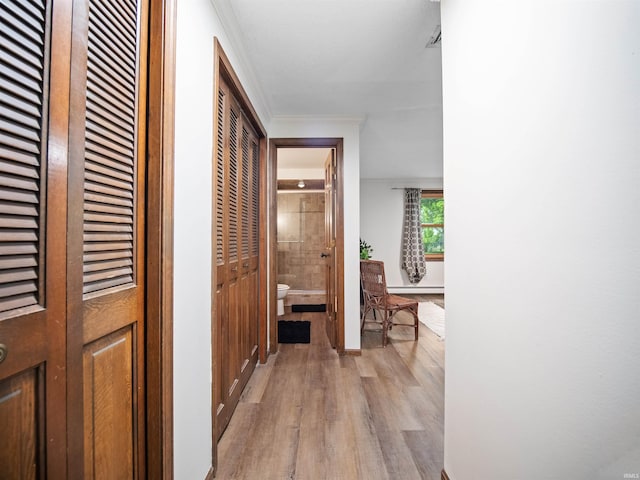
(294, 331)
(432, 316)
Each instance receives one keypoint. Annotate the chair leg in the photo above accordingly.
(417, 323)
(385, 328)
(364, 315)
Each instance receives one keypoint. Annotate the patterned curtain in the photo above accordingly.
(412, 247)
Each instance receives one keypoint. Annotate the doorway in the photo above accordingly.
(306, 236)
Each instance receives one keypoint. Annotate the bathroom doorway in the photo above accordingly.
(306, 232)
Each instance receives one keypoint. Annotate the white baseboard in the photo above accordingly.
(417, 290)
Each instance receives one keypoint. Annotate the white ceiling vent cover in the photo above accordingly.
(436, 38)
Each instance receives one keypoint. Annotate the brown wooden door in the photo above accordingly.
(236, 254)
(330, 244)
(249, 246)
(72, 239)
(32, 248)
(106, 227)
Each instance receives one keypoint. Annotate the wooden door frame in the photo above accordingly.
(274, 144)
(159, 241)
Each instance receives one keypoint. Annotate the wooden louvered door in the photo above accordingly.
(72, 227)
(105, 284)
(248, 269)
(252, 273)
(32, 250)
(236, 255)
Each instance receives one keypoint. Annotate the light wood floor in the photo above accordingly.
(310, 414)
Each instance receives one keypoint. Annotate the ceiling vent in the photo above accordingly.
(435, 39)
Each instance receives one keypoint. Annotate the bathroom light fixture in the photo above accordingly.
(301, 184)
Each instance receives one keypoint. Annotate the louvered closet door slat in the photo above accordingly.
(111, 181)
(104, 155)
(111, 164)
(101, 31)
(233, 186)
(14, 105)
(16, 195)
(25, 92)
(22, 42)
(29, 23)
(109, 139)
(113, 76)
(109, 173)
(19, 118)
(104, 218)
(110, 129)
(106, 36)
(18, 183)
(100, 168)
(128, 8)
(245, 193)
(12, 166)
(117, 109)
(19, 59)
(109, 112)
(26, 213)
(220, 181)
(114, 192)
(96, 197)
(100, 114)
(255, 182)
(21, 151)
(124, 22)
(17, 262)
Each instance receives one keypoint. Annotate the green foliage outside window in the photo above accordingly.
(432, 216)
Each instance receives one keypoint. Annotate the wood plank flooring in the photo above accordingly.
(310, 414)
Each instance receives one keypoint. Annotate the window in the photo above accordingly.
(432, 217)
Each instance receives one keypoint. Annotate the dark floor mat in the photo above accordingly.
(321, 307)
(294, 331)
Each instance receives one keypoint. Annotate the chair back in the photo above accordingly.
(372, 279)
(377, 298)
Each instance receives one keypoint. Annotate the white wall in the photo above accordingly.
(399, 143)
(197, 25)
(349, 130)
(542, 175)
(381, 216)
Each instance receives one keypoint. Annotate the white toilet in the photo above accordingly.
(282, 292)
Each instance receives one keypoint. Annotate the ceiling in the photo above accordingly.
(363, 58)
(310, 157)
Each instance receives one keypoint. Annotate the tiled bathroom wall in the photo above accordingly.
(301, 240)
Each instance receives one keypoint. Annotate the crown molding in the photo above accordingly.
(351, 119)
(231, 28)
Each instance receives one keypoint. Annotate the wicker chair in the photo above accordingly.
(376, 297)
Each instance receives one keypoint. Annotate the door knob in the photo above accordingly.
(3, 352)
(324, 255)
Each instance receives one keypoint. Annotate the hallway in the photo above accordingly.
(309, 414)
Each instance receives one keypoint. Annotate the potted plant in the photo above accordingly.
(365, 250)
(365, 254)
